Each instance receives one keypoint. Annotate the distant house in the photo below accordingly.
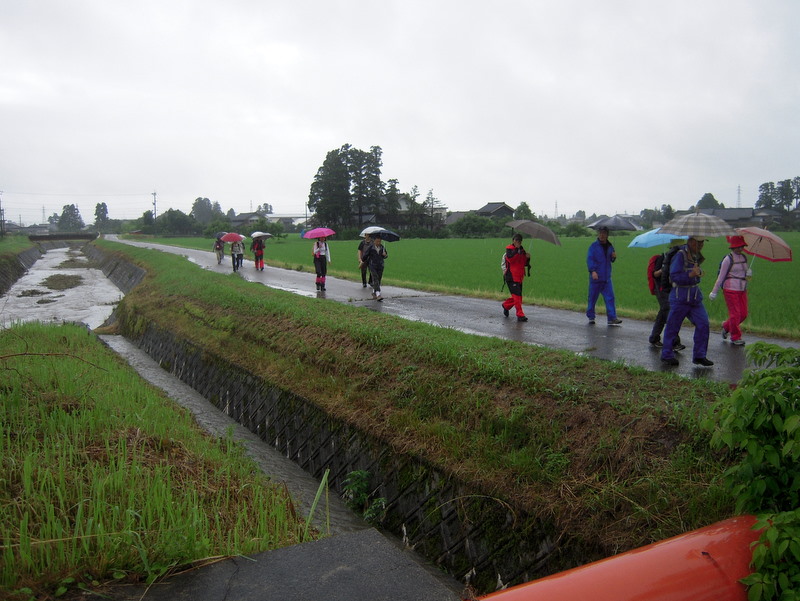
(242, 219)
(496, 209)
(741, 217)
(456, 216)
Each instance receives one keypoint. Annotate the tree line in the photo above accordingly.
(784, 197)
(205, 219)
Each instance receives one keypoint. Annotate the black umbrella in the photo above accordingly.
(219, 235)
(535, 230)
(614, 223)
(386, 235)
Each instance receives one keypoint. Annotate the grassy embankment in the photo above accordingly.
(610, 454)
(105, 479)
(558, 278)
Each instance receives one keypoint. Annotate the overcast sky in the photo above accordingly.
(611, 106)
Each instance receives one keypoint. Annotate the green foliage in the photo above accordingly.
(70, 220)
(776, 558)
(761, 422)
(359, 497)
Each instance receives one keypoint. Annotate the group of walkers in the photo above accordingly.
(237, 252)
(371, 254)
(676, 275)
(674, 280)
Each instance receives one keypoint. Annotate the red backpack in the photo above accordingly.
(651, 267)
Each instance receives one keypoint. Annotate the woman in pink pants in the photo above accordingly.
(733, 277)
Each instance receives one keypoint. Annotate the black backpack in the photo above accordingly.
(666, 283)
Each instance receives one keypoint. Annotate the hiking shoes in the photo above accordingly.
(678, 347)
(591, 322)
(522, 318)
(669, 361)
(505, 311)
(739, 342)
(615, 322)
(724, 334)
(656, 343)
(702, 361)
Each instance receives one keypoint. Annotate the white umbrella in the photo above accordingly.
(371, 230)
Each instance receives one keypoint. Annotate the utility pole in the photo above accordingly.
(739, 197)
(2, 216)
(154, 211)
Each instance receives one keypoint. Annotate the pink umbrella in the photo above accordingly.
(764, 244)
(232, 237)
(319, 232)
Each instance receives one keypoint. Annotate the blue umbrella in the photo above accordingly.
(653, 238)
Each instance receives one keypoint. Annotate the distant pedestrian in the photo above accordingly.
(362, 247)
(237, 254)
(257, 248)
(598, 260)
(322, 256)
(373, 257)
(661, 289)
(686, 300)
(516, 260)
(733, 277)
(219, 249)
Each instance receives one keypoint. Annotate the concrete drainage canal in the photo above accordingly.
(478, 539)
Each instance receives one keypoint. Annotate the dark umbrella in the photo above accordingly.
(535, 230)
(386, 235)
(613, 223)
(219, 235)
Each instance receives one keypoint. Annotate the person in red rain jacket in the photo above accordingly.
(517, 258)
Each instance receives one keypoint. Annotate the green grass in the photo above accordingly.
(14, 244)
(612, 455)
(558, 278)
(106, 479)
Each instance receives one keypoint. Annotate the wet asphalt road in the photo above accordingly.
(553, 328)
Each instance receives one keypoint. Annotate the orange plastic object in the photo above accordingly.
(702, 565)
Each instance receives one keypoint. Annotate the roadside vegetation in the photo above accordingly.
(760, 425)
(558, 275)
(106, 480)
(613, 456)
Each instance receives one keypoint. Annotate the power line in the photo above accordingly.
(70, 194)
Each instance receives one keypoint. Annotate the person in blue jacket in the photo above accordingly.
(686, 300)
(598, 260)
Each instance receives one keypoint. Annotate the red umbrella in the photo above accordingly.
(232, 237)
(764, 244)
(319, 232)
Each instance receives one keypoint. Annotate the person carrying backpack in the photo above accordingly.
(517, 258)
(732, 278)
(686, 300)
(660, 287)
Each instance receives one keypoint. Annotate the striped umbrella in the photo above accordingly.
(698, 225)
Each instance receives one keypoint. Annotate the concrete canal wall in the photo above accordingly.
(475, 537)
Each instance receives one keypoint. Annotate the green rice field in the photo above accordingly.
(558, 277)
